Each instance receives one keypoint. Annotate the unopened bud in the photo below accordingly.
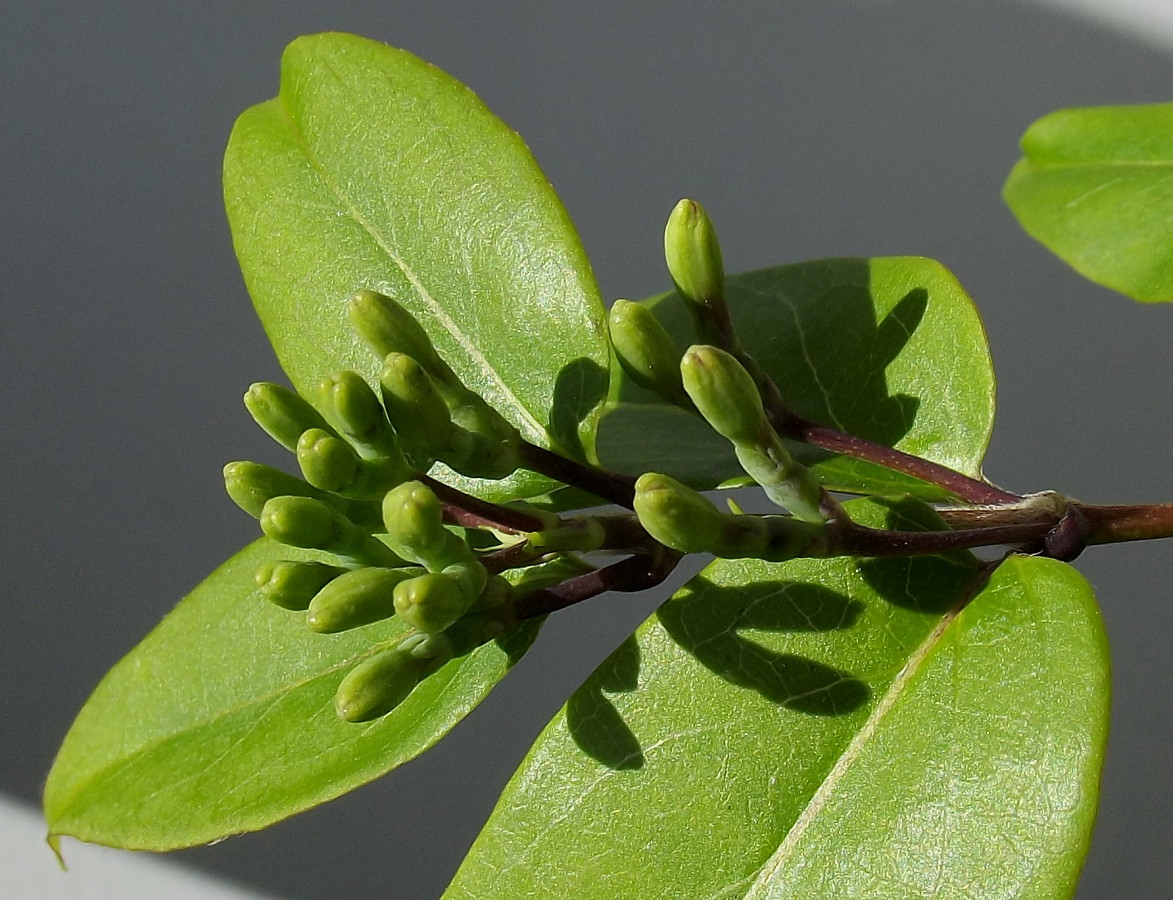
(355, 598)
(484, 444)
(724, 393)
(416, 409)
(301, 522)
(378, 684)
(292, 585)
(251, 485)
(646, 350)
(693, 254)
(431, 602)
(414, 519)
(386, 327)
(677, 516)
(680, 518)
(332, 464)
(281, 413)
(327, 462)
(352, 407)
(314, 525)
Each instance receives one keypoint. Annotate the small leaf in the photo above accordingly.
(1096, 187)
(818, 729)
(222, 720)
(890, 349)
(373, 169)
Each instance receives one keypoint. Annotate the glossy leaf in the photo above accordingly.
(374, 169)
(817, 729)
(1096, 187)
(221, 721)
(890, 349)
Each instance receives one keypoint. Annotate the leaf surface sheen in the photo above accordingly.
(1095, 186)
(373, 169)
(890, 349)
(818, 729)
(221, 721)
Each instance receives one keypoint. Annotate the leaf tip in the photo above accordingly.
(53, 839)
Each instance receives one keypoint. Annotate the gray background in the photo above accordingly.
(808, 128)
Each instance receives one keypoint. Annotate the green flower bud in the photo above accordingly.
(350, 404)
(281, 413)
(483, 444)
(312, 524)
(693, 254)
(331, 464)
(357, 597)
(431, 602)
(414, 519)
(301, 522)
(386, 327)
(416, 409)
(497, 592)
(724, 393)
(251, 485)
(677, 516)
(583, 533)
(378, 684)
(467, 572)
(327, 462)
(292, 585)
(646, 350)
(682, 519)
(437, 648)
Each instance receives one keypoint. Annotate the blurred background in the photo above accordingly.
(808, 129)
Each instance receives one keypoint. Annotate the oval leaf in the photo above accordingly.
(221, 721)
(890, 349)
(374, 169)
(818, 729)
(1095, 187)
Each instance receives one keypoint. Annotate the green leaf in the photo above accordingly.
(818, 729)
(1096, 187)
(374, 169)
(890, 349)
(221, 721)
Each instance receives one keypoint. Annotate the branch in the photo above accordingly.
(636, 573)
(618, 489)
(473, 512)
(971, 490)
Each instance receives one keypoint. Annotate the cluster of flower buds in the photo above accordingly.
(458, 571)
(391, 547)
(718, 380)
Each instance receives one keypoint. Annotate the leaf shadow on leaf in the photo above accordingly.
(579, 388)
(814, 328)
(517, 642)
(925, 584)
(706, 621)
(592, 719)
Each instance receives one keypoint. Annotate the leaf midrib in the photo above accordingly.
(1100, 163)
(114, 766)
(449, 325)
(781, 856)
